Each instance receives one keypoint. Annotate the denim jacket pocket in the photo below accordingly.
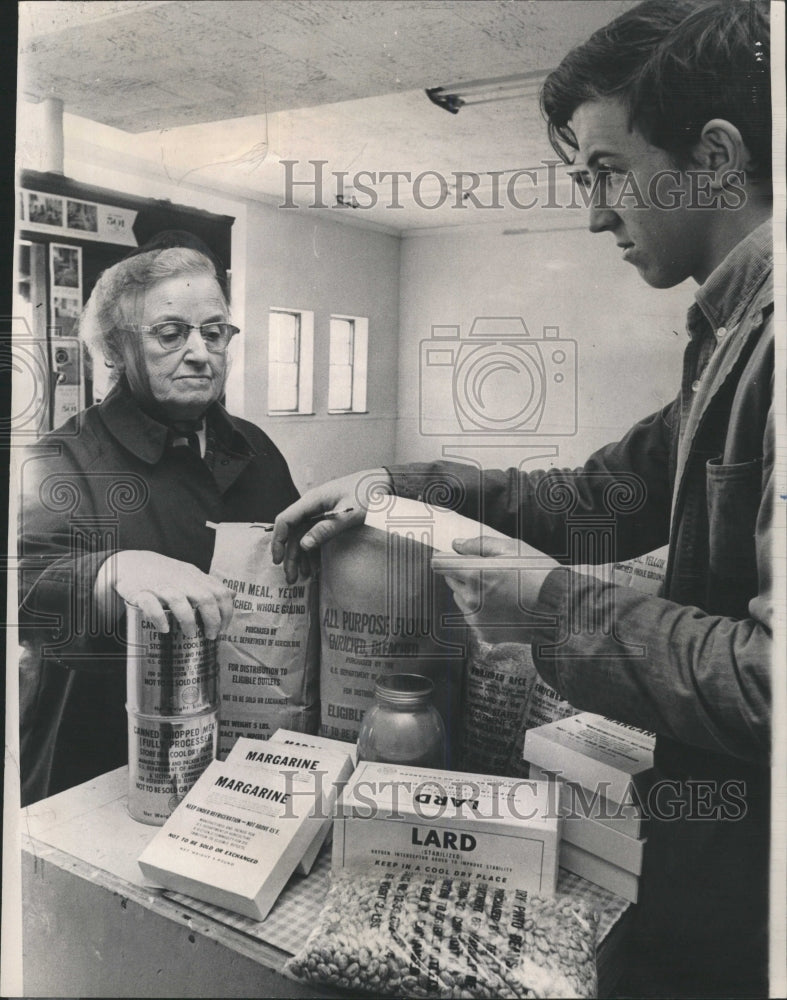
(733, 493)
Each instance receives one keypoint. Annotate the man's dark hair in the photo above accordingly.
(676, 64)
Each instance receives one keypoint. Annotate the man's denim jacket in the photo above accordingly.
(694, 664)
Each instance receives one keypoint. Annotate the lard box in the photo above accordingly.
(580, 807)
(241, 831)
(470, 826)
(612, 758)
(282, 749)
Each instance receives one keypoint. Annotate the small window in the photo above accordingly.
(347, 364)
(290, 352)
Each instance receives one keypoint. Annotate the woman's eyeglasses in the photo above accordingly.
(172, 334)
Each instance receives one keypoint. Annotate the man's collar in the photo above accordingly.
(727, 291)
(147, 438)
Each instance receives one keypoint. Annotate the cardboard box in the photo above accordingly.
(597, 753)
(239, 834)
(599, 872)
(580, 803)
(447, 823)
(623, 852)
(308, 740)
(336, 761)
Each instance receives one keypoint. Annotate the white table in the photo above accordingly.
(91, 927)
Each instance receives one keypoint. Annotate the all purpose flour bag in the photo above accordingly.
(269, 656)
(383, 611)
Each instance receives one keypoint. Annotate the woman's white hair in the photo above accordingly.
(113, 303)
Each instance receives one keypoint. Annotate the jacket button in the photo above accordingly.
(695, 385)
(721, 332)
(225, 461)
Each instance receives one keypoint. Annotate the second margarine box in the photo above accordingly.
(329, 760)
(502, 831)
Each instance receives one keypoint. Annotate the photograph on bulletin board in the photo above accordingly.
(81, 216)
(44, 209)
(65, 279)
(66, 266)
(65, 312)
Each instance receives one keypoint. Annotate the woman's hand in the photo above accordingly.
(154, 582)
(294, 530)
(496, 584)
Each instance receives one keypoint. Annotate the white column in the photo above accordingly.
(52, 135)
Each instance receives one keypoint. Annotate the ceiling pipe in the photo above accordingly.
(52, 142)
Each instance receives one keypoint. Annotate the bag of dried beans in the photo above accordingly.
(406, 934)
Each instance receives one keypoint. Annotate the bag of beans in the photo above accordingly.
(269, 655)
(405, 934)
(383, 611)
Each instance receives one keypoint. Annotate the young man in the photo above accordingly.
(665, 113)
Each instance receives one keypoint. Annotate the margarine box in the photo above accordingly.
(581, 805)
(308, 740)
(471, 826)
(238, 835)
(602, 841)
(331, 759)
(600, 872)
(597, 753)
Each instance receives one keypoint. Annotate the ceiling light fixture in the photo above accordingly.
(454, 96)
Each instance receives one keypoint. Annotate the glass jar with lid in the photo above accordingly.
(403, 726)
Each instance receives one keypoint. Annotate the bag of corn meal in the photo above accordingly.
(406, 934)
(269, 655)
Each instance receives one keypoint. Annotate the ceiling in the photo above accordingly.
(217, 93)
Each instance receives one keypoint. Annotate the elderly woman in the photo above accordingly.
(115, 505)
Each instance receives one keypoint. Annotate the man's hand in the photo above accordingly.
(154, 582)
(295, 531)
(495, 583)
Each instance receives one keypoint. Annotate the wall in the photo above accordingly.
(628, 350)
(629, 354)
(295, 260)
(281, 258)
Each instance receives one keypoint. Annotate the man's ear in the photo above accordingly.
(721, 150)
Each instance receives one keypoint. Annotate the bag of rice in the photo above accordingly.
(269, 656)
(406, 934)
(499, 680)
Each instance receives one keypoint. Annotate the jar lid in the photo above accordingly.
(404, 690)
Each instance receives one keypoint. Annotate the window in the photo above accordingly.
(290, 353)
(347, 364)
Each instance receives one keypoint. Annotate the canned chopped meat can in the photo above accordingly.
(169, 673)
(165, 758)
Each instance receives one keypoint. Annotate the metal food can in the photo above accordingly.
(169, 673)
(165, 758)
